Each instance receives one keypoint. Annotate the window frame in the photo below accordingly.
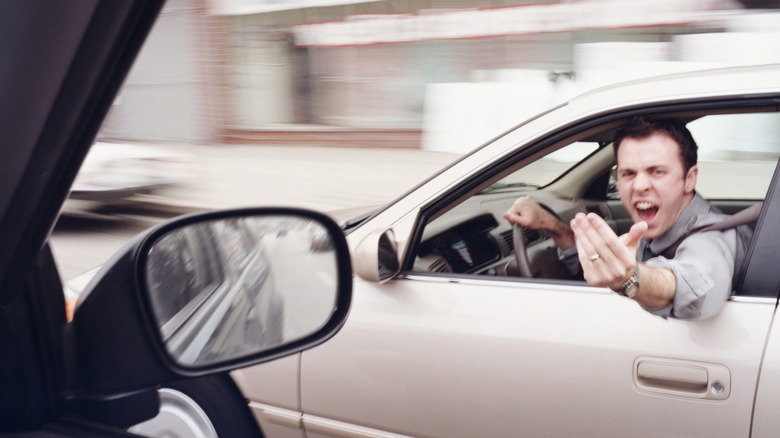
(758, 276)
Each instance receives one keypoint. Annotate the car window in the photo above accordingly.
(738, 154)
(545, 170)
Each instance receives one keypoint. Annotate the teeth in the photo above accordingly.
(644, 205)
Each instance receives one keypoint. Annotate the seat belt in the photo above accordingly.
(743, 217)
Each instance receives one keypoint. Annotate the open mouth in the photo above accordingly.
(646, 210)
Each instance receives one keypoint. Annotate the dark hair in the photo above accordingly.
(642, 127)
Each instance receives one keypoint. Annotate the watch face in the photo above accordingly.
(631, 289)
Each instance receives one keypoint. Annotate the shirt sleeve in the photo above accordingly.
(703, 267)
(568, 257)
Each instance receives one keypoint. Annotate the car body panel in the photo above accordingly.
(507, 357)
(282, 386)
(766, 422)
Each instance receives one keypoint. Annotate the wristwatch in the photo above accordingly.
(630, 287)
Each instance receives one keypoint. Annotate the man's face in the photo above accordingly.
(652, 183)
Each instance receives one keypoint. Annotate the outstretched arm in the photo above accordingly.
(610, 260)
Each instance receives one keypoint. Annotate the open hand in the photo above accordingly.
(606, 258)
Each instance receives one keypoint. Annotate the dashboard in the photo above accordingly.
(466, 247)
(474, 238)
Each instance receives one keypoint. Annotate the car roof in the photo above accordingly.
(692, 84)
(711, 83)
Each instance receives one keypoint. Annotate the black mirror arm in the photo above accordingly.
(111, 336)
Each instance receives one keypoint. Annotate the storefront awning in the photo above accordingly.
(246, 7)
(517, 20)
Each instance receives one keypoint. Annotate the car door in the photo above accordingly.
(460, 355)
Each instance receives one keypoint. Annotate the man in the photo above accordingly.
(663, 263)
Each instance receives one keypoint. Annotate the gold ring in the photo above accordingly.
(594, 257)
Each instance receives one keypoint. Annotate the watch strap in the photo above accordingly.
(631, 286)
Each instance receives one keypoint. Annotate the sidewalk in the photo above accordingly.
(320, 178)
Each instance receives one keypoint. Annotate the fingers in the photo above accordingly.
(606, 260)
(591, 244)
(526, 212)
(596, 235)
(513, 214)
(631, 239)
(512, 217)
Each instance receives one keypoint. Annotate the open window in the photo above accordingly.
(464, 233)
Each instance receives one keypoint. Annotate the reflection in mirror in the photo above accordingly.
(232, 287)
(388, 257)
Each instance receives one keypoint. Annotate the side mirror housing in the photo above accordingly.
(210, 292)
(376, 257)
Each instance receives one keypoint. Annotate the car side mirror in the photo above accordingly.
(376, 257)
(211, 292)
(226, 288)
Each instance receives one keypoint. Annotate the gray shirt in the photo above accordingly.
(704, 263)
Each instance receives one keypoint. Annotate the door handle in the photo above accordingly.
(682, 378)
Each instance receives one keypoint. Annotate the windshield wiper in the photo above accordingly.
(349, 224)
(498, 187)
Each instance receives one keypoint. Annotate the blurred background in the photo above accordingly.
(332, 104)
(441, 75)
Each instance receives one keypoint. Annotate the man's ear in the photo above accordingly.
(690, 179)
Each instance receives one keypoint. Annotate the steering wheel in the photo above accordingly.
(521, 254)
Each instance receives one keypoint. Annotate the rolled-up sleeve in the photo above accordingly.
(703, 267)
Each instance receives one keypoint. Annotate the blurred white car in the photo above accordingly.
(114, 173)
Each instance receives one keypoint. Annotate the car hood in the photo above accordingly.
(345, 215)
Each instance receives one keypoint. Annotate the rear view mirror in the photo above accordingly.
(224, 288)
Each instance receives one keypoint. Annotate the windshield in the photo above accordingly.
(545, 170)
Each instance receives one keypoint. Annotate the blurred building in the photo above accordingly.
(438, 74)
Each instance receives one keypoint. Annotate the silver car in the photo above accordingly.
(116, 173)
(446, 339)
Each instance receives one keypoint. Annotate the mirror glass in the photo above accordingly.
(227, 288)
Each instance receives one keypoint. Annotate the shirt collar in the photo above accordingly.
(693, 216)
